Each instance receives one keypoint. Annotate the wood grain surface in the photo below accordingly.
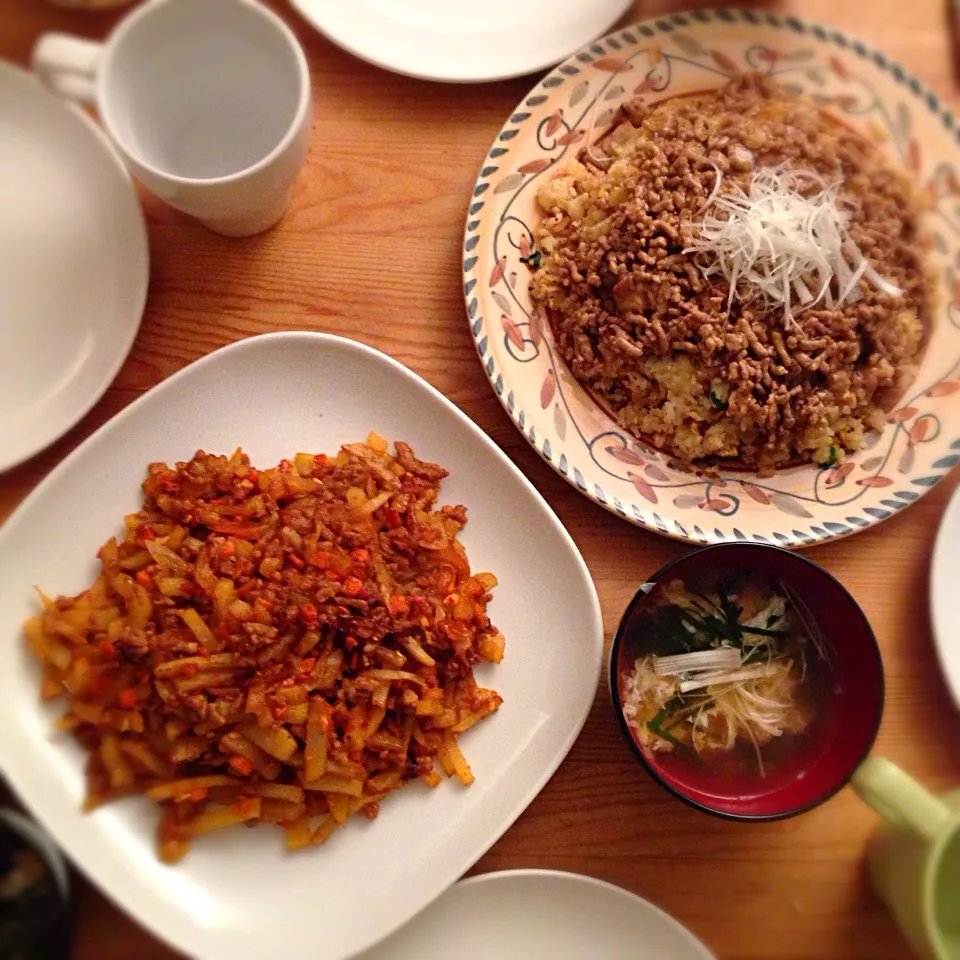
(371, 250)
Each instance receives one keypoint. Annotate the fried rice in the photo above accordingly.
(652, 337)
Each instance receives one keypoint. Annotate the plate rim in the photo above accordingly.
(583, 879)
(138, 227)
(146, 912)
(305, 9)
(939, 591)
(821, 34)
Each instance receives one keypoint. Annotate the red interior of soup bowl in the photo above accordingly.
(850, 697)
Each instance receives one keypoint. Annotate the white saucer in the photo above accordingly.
(525, 914)
(73, 265)
(945, 597)
(461, 41)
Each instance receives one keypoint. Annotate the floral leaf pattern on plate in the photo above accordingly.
(626, 455)
(509, 182)
(755, 492)
(535, 328)
(559, 421)
(907, 459)
(724, 62)
(643, 487)
(496, 274)
(689, 45)
(548, 389)
(787, 504)
(904, 413)
(836, 476)
(612, 64)
(534, 166)
(919, 431)
(579, 92)
(502, 302)
(512, 332)
(874, 482)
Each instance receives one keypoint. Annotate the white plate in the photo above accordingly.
(533, 914)
(461, 41)
(240, 895)
(945, 597)
(73, 265)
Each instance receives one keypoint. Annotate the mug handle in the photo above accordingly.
(897, 797)
(67, 65)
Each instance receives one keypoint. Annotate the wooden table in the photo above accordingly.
(371, 250)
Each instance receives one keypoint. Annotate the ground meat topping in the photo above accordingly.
(641, 326)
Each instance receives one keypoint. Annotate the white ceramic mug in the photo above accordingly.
(208, 102)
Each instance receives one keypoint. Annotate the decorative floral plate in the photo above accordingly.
(659, 59)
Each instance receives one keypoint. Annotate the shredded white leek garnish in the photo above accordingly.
(787, 239)
(722, 658)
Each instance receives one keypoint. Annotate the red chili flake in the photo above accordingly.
(107, 650)
(189, 670)
(143, 675)
(308, 612)
(253, 475)
(307, 665)
(128, 698)
(285, 466)
(228, 549)
(144, 534)
(360, 555)
(330, 574)
(352, 586)
(399, 605)
(321, 558)
(351, 643)
(296, 561)
(265, 603)
(320, 459)
(144, 579)
(392, 518)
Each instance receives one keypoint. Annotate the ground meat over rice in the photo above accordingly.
(651, 336)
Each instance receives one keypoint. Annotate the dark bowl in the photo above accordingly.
(34, 892)
(846, 723)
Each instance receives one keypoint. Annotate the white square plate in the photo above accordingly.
(240, 895)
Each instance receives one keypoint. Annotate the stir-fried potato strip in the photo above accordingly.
(288, 645)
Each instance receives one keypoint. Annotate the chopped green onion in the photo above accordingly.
(832, 461)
